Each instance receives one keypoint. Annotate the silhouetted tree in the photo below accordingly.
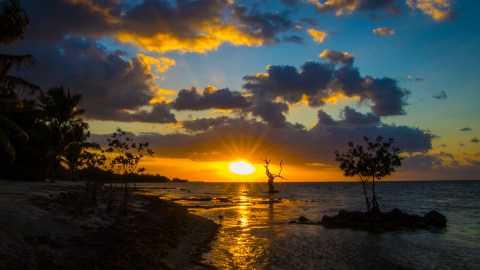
(369, 164)
(271, 176)
(127, 156)
(13, 22)
(78, 136)
(62, 117)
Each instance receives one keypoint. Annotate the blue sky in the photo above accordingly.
(135, 64)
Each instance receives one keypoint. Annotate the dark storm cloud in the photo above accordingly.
(160, 113)
(339, 132)
(475, 140)
(192, 99)
(325, 119)
(353, 117)
(264, 25)
(317, 81)
(270, 112)
(54, 19)
(182, 19)
(441, 95)
(291, 84)
(186, 26)
(387, 97)
(108, 83)
(466, 129)
(204, 124)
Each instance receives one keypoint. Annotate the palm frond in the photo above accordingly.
(20, 61)
(9, 84)
(13, 21)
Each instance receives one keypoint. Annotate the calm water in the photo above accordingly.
(256, 234)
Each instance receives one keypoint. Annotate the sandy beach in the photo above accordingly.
(43, 227)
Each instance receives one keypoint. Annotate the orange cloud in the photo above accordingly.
(383, 31)
(439, 10)
(342, 7)
(161, 64)
(337, 97)
(210, 39)
(163, 95)
(318, 36)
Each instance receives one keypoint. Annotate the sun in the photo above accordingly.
(241, 167)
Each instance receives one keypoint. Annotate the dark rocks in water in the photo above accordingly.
(435, 219)
(393, 220)
(303, 219)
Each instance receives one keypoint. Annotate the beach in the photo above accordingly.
(42, 227)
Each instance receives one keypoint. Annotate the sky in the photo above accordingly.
(210, 82)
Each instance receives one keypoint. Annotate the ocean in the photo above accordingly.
(256, 232)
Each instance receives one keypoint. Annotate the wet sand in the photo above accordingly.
(43, 227)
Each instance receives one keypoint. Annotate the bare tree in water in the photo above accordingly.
(271, 176)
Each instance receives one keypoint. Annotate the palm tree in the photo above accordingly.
(13, 22)
(61, 115)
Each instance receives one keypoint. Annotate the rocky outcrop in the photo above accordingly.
(393, 220)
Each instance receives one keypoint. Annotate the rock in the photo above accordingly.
(303, 219)
(434, 218)
(393, 220)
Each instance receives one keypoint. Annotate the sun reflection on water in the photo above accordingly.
(237, 247)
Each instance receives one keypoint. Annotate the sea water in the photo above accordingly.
(256, 232)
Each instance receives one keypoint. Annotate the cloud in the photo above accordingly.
(466, 129)
(270, 112)
(112, 87)
(335, 57)
(383, 31)
(91, 19)
(210, 98)
(159, 113)
(441, 95)
(161, 64)
(325, 119)
(318, 36)
(439, 10)
(339, 132)
(263, 25)
(317, 82)
(475, 140)
(415, 79)
(160, 26)
(353, 117)
(345, 7)
(228, 138)
(204, 124)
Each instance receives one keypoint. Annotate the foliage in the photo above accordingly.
(67, 131)
(373, 162)
(127, 153)
(127, 156)
(13, 21)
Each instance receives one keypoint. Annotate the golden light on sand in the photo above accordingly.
(241, 167)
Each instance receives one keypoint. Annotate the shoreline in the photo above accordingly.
(42, 229)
